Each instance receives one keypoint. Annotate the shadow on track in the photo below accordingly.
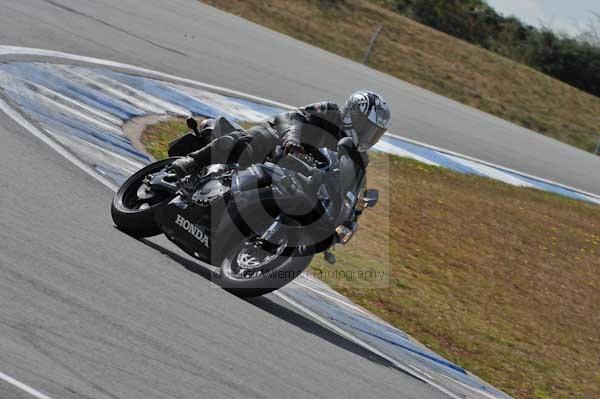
(287, 314)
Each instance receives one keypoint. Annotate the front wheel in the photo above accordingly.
(247, 270)
(134, 203)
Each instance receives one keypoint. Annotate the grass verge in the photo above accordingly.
(502, 280)
(435, 61)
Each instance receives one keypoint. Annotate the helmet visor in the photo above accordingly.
(368, 133)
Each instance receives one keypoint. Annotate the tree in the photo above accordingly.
(591, 33)
(575, 61)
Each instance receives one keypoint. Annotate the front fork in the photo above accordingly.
(264, 241)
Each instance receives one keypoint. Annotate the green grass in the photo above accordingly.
(157, 137)
(502, 280)
(435, 61)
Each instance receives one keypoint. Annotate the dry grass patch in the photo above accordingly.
(435, 61)
(503, 280)
(156, 138)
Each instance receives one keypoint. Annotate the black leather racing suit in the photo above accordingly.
(316, 125)
(311, 127)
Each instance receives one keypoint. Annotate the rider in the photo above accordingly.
(364, 118)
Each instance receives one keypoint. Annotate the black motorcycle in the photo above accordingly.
(259, 226)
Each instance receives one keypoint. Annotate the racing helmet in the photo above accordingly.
(365, 118)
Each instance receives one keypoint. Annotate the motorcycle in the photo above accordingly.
(259, 226)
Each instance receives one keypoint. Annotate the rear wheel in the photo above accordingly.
(134, 203)
(248, 270)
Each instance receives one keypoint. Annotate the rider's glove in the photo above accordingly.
(184, 166)
(292, 147)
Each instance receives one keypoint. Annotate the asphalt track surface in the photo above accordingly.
(88, 312)
(195, 41)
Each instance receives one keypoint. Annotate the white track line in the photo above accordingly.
(477, 391)
(78, 105)
(401, 152)
(23, 387)
(25, 51)
(76, 113)
(496, 166)
(17, 117)
(338, 300)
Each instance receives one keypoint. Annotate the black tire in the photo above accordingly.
(284, 270)
(134, 221)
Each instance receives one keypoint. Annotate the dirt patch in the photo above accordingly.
(134, 128)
